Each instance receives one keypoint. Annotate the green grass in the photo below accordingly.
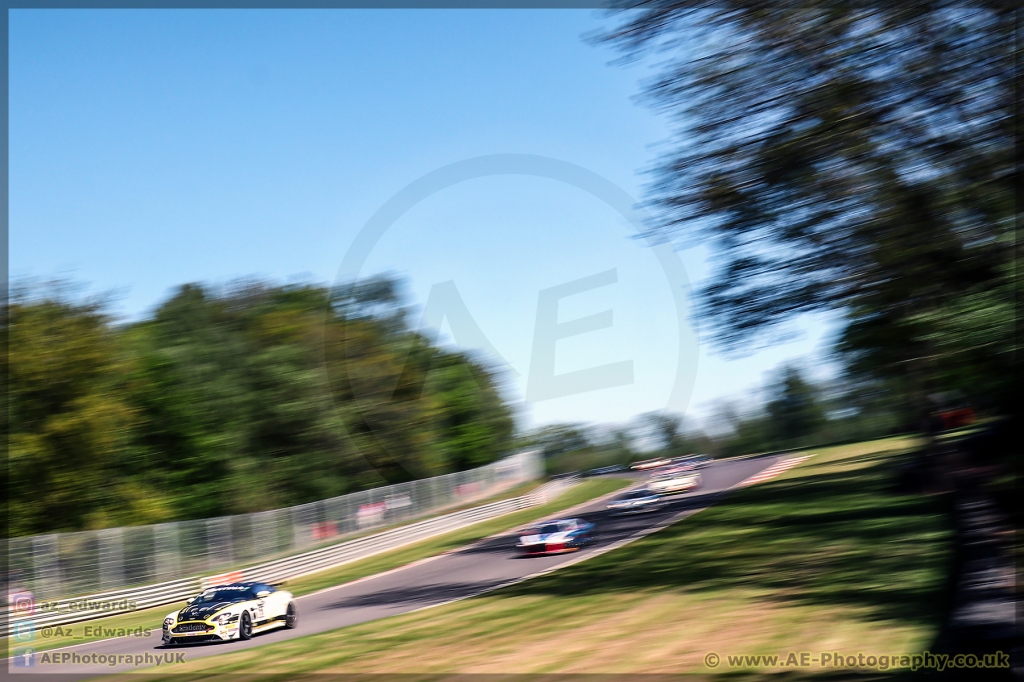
(582, 492)
(93, 630)
(153, 617)
(829, 557)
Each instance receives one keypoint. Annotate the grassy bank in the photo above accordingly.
(80, 633)
(827, 558)
(582, 492)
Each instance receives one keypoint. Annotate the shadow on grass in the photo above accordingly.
(841, 539)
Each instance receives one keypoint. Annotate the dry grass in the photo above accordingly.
(153, 617)
(827, 557)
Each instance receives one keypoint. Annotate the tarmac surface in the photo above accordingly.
(473, 570)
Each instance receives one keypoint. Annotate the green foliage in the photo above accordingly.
(848, 157)
(794, 411)
(230, 401)
(70, 424)
(800, 413)
(557, 439)
(670, 437)
(579, 447)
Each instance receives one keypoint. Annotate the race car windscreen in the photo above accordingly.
(224, 594)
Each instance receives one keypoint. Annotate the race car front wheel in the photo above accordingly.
(291, 616)
(245, 626)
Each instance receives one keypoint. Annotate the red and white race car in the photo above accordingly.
(560, 535)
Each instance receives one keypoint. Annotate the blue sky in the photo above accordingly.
(153, 148)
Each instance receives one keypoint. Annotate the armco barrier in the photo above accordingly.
(318, 560)
(58, 565)
(78, 609)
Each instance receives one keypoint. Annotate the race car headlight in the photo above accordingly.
(225, 618)
(168, 622)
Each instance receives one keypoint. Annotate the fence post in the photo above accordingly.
(168, 554)
(300, 533)
(218, 541)
(262, 530)
(45, 569)
(111, 546)
(441, 490)
(98, 560)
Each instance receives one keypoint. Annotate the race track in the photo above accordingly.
(481, 567)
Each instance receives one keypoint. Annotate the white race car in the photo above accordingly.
(650, 464)
(676, 480)
(636, 501)
(226, 612)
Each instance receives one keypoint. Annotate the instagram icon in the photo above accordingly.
(22, 604)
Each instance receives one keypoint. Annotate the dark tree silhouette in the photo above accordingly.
(856, 157)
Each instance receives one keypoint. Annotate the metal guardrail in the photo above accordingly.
(311, 562)
(58, 565)
(78, 609)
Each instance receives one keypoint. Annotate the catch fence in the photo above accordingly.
(66, 564)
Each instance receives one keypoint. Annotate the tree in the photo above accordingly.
(668, 435)
(70, 425)
(558, 439)
(226, 390)
(794, 408)
(621, 441)
(855, 157)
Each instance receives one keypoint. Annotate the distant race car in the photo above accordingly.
(605, 470)
(636, 501)
(650, 463)
(675, 480)
(552, 537)
(696, 461)
(226, 612)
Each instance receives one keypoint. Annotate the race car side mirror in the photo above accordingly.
(262, 593)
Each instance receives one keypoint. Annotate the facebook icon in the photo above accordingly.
(24, 658)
